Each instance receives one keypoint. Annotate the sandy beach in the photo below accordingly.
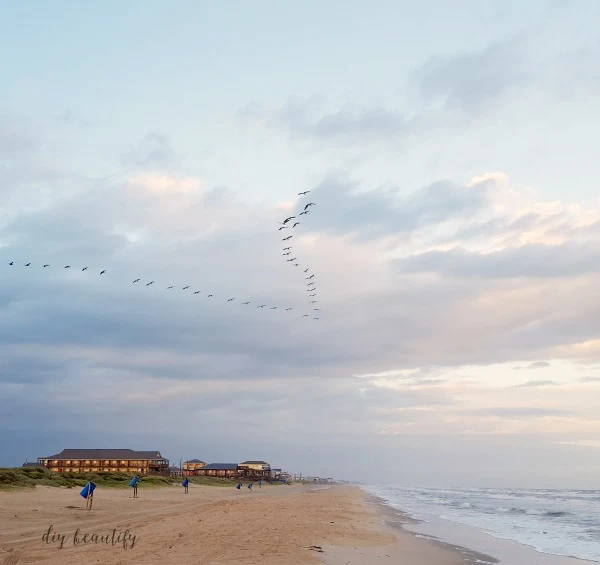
(273, 525)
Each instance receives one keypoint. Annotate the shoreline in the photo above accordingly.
(406, 547)
(486, 547)
(398, 519)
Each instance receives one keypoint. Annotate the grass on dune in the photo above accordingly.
(31, 476)
(24, 477)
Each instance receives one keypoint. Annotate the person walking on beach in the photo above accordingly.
(239, 486)
(134, 483)
(250, 486)
(185, 485)
(259, 483)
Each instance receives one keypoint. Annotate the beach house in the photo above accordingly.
(106, 460)
(191, 467)
(224, 470)
(254, 470)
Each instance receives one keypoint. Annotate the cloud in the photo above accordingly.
(520, 412)
(526, 261)
(153, 151)
(451, 90)
(70, 118)
(309, 119)
(538, 365)
(589, 380)
(594, 444)
(538, 383)
(472, 81)
(380, 212)
(165, 183)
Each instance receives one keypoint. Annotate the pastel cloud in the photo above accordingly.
(163, 183)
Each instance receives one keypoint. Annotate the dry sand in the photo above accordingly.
(273, 525)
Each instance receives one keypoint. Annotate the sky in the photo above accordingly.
(451, 153)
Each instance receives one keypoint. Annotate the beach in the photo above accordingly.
(274, 525)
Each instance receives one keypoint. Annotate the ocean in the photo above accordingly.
(559, 522)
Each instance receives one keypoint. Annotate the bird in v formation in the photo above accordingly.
(283, 226)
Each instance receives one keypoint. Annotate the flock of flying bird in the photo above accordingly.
(289, 224)
(287, 251)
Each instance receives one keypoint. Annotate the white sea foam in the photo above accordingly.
(560, 522)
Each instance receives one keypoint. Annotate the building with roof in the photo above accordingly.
(191, 467)
(106, 460)
(225, 470)
(254, 470)
(32, 464)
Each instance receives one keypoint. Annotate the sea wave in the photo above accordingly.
(561, 522)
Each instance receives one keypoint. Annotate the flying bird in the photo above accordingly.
(186, 287)
(316, 309)
(49, 265)
(67, 267)
(309, 204)
(27, 264)
(12, 263)
(296, 224)
(231, 299)
(84, 269)
(136, 280)
(311, 295)
(283, 228)
(296, 264)
(308, 278)
(315, 318)
(102, 272)
(244, 303)
(286, 248)
(274, 308)
(151, 282)
(313, 302)
(305, 315)
(310, 289)
(210, 295)
(303, 193)
(289, 308)
(261, 306)
(197, 292)
(288, 237)
(305, 212)
(290, 260)
(288, 253)
(288, 219)
(311, 283)
(306, 270)
(170, 287)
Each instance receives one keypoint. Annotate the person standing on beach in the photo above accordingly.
(134, 483)
(250, 486)
(185, 485)
(239, 486)
(88, 494)
(259, 483)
